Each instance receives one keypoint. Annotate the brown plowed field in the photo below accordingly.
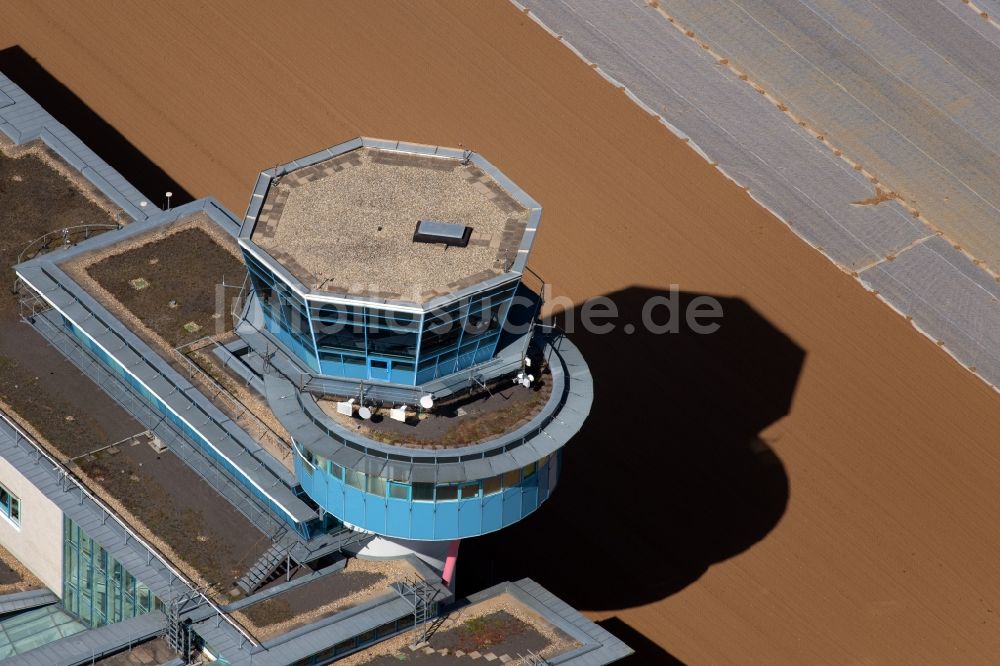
(873, 536)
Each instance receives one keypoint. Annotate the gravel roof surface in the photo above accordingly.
(346, 225)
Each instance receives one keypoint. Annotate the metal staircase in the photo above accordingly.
(275, 560)
(422, 596)
(179, 634)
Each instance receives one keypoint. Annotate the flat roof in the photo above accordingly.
(345, 225)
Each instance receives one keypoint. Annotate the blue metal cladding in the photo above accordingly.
(382, 344)
(479, 507)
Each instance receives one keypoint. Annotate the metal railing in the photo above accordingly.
(67, 475)
(540, 422)
(242, 414)
(192, 404)
(68, 235)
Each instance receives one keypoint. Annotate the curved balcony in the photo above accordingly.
(439, 494)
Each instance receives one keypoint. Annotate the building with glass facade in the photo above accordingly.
(345, 286)
(349, 289)
(97, 588)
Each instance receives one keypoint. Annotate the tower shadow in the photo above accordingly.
(669, 474)
(86, 124)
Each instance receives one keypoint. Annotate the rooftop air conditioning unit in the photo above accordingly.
(436, 231)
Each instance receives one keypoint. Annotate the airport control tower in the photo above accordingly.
(401, 352)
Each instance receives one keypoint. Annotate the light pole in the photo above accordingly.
(169, 194)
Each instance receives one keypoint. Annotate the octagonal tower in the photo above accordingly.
(388, 262)
(385, 274)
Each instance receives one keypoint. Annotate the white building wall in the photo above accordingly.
(38, 542)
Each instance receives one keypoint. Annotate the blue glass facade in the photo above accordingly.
(399, 346)
(96, 587)
(426, 511)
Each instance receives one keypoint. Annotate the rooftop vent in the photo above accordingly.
(436, 231)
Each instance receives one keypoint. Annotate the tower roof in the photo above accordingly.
(342, 221)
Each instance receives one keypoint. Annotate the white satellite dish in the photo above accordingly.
(398, 413)
(527, 362)
(526, 383)
(427, 401)
(365, 413)
(531, 378)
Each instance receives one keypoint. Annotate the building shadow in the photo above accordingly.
(645, 651)
(669, 474)
(93, 130)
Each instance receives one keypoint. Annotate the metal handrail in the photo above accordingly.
(193, 404)
(361, 446)
(64, 233)
(237, 404)
(67, 474)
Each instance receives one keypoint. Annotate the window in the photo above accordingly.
(389, 342)
(10, 505)
(529, 471)
(376, 486)
(447, 493)
(354, 360)
(491, 485)
(423, 492)
(512, 478)
(96, 588)
(399, 491)
(356, 479)
(469, 490)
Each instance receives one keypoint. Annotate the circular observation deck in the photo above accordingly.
(436, 494)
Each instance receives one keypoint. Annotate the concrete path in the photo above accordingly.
(871, 128)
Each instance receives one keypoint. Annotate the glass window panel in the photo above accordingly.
(469, 490)
(406, 321)
(376, 486)
(447, 493)
(491, 485)
(441, 338)
(355, 479)
(512, 478)
(387, 342)
(338, 312)
(339, 336)
(354, 360)
(528, 471)
(399, 491)
(423, 492)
